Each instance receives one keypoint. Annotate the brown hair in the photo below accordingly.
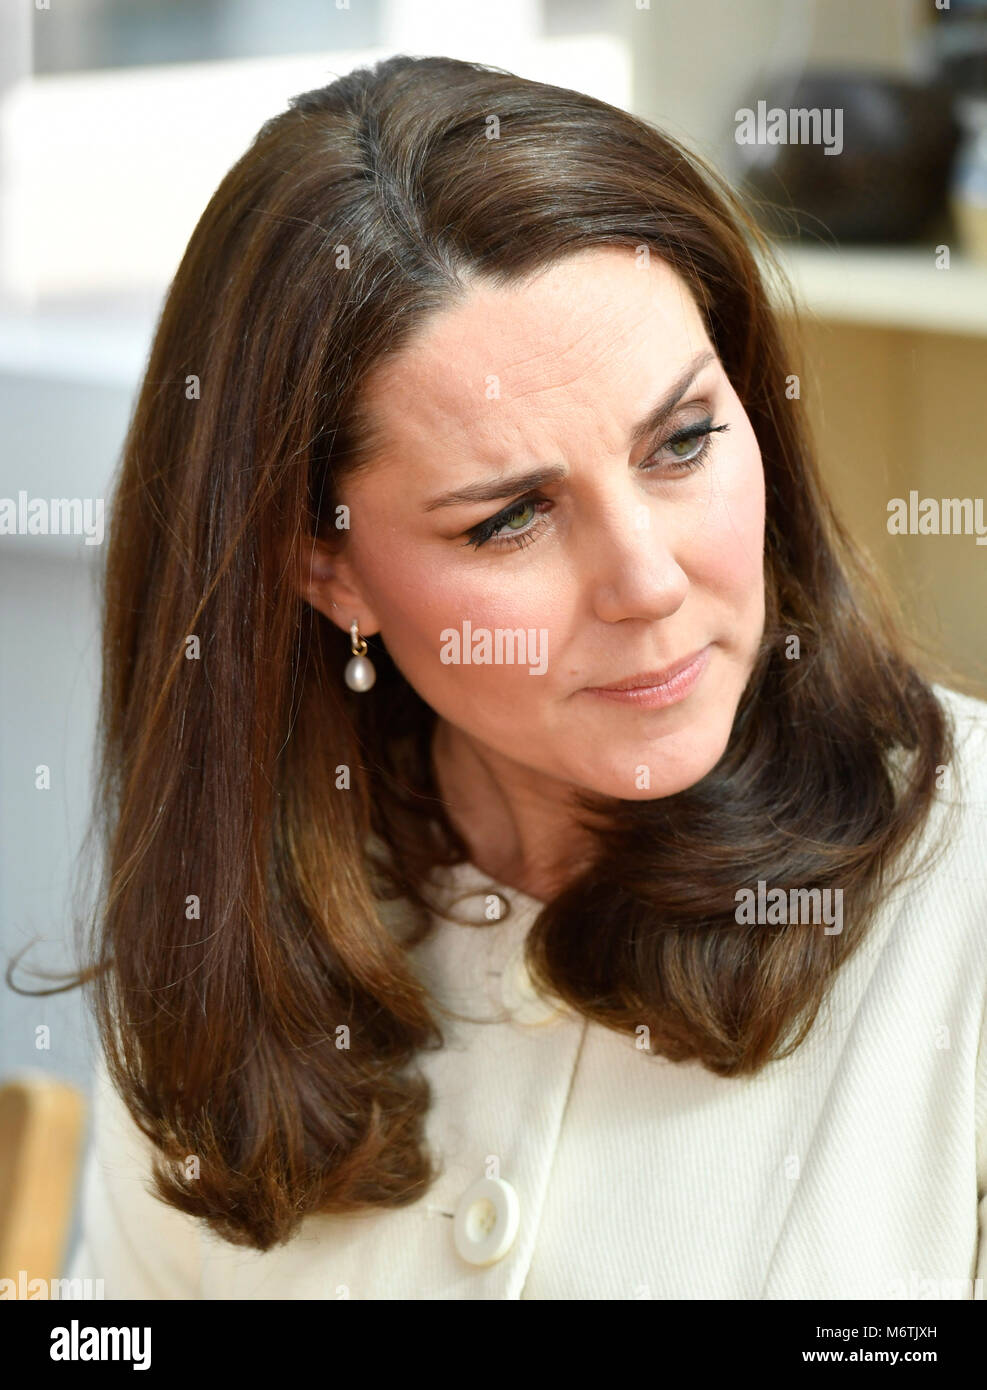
(220, 777)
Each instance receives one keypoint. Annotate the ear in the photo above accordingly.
(325, 579)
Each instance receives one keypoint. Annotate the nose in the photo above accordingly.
(630, 562)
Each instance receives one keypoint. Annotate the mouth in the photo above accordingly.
(647, 680)
(656, 688)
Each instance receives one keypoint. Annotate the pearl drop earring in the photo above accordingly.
(360, 673)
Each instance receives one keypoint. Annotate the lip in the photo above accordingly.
(656, 688)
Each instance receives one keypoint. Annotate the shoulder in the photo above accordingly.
(935, 914)
(962, 898)
(961, 793)
(967, 716)
(956, 827)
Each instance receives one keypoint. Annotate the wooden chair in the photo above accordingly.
(42, 1128)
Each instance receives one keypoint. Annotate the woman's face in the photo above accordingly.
(631, 555)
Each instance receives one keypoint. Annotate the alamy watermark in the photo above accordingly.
(75, 1343)
(37, 1288)
(934, 516)
(799, 125)
(499, 646)
(778, 906)
(52, 516)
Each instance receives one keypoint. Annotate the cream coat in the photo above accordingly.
(857, 1168)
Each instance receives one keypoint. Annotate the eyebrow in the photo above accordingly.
(493, 489)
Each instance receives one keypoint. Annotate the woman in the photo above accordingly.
(536, 866)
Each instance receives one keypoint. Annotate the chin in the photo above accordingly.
(673, 763)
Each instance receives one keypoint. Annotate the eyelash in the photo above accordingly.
(489, 530)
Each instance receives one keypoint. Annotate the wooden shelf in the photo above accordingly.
(889, 287)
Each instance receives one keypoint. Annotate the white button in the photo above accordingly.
(520, 997)
(486, 1223)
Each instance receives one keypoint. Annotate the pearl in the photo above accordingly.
(359, 673)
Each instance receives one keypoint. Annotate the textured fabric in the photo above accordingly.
(856, 1168)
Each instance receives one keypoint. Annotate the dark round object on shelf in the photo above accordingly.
(889, 180)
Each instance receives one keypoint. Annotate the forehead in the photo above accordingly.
(600, 333)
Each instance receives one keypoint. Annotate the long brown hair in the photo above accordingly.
(241, 917)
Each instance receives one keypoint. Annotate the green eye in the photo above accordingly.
(688, 446)
(519, 519)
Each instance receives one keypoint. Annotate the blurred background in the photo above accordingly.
(118, 118)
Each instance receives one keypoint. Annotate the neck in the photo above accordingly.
(518, 830)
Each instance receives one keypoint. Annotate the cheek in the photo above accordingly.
(417, 599)
(728, 556)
